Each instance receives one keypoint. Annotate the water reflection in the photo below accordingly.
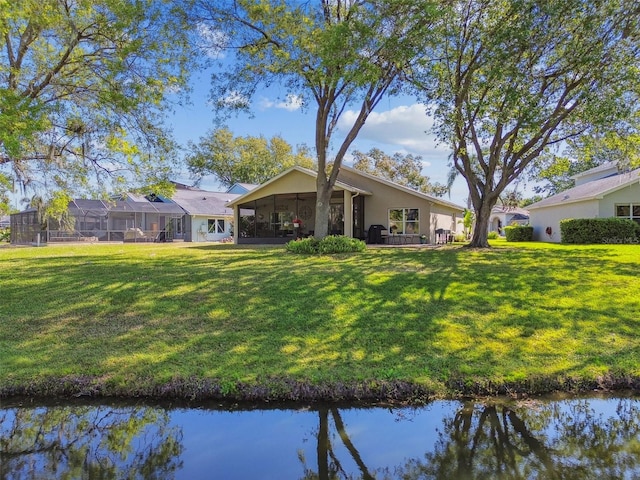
(561, 439)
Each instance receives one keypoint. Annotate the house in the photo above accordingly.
(207, 217)
(241, 188)
(190, 215)
(503, 216)
(601, 192)
(5, 221)
(359, 201)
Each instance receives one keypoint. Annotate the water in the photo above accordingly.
(570, 438)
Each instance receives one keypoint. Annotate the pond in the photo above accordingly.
(562, 438)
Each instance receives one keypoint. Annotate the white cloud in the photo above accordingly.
(291, 103)
(407, 128)
(212, 42)
(234, 99)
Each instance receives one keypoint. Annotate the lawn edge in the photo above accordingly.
(289, 390)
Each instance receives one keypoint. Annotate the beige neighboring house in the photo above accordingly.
(503, 216)
(601, 192)
(283, 208)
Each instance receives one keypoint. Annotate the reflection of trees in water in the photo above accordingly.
(558, 440)
(88, 442)
(329, 465)
(534, 440)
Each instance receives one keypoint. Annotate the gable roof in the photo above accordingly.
(498, 209)
(241, 188)
(605, 167)
(593, 190)
(403, 188)
(296, 168)
(202, 202)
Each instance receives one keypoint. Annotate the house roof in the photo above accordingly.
(425, 196)
(593, 190)
(240, 187)
(516, 211)
(600, 168)
(306, 171)
(349, 186)
(202, 202)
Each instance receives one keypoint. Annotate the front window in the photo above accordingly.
(404, 221)
(629, 210)
(215, 225)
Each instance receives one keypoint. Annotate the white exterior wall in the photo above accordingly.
(624, 196)
(199, 227)
(541, 218)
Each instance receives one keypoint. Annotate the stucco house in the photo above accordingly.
(504, 216)
(266, 213)
(601, 192)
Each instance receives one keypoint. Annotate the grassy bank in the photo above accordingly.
(219, 320)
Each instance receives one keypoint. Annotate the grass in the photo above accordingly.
(145, 318)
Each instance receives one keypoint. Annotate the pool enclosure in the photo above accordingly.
(127, 218)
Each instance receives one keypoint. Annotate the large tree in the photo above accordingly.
(243, 159)
(514, 77)
(83, 84)
(332, 54)
(402, 169)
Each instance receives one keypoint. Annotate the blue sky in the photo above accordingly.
(397, 125)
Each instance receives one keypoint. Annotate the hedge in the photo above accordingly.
(328, 245)
(599, 230)
(518, 233)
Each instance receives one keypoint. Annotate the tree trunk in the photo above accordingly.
(323, 206)
(481, 230)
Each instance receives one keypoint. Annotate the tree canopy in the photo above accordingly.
(402, 169)
(513, 78)
(243, 159)
(83, 85)
(332, 55)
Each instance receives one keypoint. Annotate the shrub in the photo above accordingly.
(519, 233)
(5, 234)
(460, 237)
(328, 245)
(303, 245)
(492, 235)
(598, 230)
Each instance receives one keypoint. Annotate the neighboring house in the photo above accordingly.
(207, 216)
(5, 221)
(266, 213)
(191, 215)
(126, 217)
(503, 216)
(241, 188)
(601, 192)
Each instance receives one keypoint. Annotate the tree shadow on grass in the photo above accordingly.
(246, 314)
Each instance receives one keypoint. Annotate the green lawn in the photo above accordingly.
(133, 318)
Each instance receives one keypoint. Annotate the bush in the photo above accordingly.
(519, 233)
(328, 245)
(493, 235)
(5, 234)
(598, 230)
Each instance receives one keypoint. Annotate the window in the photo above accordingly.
(282, 221)
(404, 221)
(215, 225)
(629, 210)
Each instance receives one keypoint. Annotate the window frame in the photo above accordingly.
(406, 220)
(217, 224)
(634, 211)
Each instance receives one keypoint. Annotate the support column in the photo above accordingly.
(348, 214)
